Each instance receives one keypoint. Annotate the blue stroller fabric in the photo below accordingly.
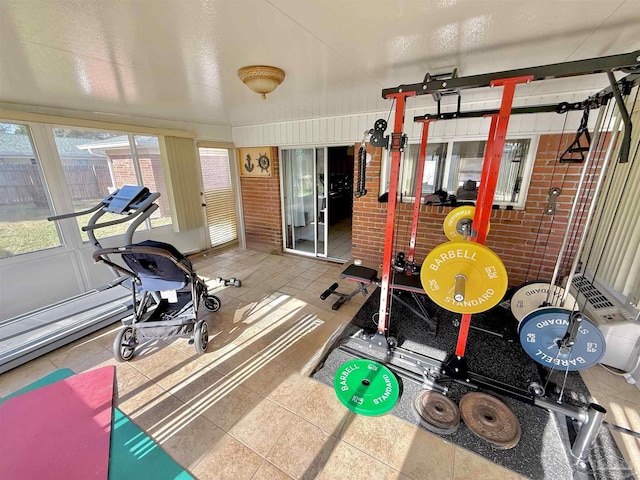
(157, 272)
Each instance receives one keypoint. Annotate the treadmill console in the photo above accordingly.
(127, 198)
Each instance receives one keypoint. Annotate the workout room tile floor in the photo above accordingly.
(247, 408)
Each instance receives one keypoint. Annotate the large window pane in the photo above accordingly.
(460, 174)
(465, 169)
(514, 158)
(24, 197)
(465, 165)
(95, 163)
(435, 157)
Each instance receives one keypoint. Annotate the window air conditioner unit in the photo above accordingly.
(619, 324)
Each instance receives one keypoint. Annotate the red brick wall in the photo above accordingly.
(527, 241)
(261, 207)
(212, 163)
(152, 176)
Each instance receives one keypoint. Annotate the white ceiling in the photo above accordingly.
(177, 59)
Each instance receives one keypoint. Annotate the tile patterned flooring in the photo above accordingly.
(247, 409)
(340, 239)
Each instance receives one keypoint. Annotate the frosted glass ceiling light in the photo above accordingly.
(261, 79)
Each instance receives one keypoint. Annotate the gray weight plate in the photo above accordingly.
(532, 296)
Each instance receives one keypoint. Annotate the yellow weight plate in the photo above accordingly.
(464, 277)
(457, 219)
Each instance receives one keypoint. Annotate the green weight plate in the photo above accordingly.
(366, 387)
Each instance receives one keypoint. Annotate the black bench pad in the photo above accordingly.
(359, 273)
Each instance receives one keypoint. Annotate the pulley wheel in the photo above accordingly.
(437, 412)
(542, 330)
(381, 124)
(366, 387)
(464, 277)
(531, 296)
(457, 224)
(490, 419)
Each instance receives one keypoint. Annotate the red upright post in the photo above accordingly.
(396, 154)
(489, 180)
(422, 155)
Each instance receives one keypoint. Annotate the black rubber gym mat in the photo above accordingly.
(493, 350)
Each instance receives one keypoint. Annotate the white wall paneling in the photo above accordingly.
(350, 128)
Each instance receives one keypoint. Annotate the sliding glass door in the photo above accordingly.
(304, 171)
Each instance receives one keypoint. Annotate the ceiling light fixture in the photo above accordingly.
(261, 78)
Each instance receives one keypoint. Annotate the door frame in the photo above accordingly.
(283, 206)
(235, 184)
(325, 148)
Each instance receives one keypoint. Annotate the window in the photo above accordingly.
(219, 195)
(435, 157)
(456, 167)
(24, 197)
(97, 162)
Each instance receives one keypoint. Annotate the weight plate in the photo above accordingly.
(542, 330)
(437, 412)
(532, 296)
(366, 387)
(485, 277)
(490, 419)
(456, 221)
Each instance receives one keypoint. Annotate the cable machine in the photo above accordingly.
(470, 270)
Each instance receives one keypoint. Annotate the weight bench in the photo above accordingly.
(362, 275)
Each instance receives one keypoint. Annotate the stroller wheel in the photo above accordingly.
(124, 345)
(212, 303)
(201, 337)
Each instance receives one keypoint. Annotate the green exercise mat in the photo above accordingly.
(133, 453)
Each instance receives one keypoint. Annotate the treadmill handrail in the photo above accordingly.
(75, 214)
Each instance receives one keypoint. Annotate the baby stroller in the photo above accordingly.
(166, 293)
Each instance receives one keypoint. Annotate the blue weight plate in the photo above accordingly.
(542, 330)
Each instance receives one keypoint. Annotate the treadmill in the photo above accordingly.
(35, 333)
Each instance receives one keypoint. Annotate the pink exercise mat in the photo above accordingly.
(60, 431)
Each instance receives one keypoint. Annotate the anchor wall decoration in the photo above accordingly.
(248, 166)
(252, 157)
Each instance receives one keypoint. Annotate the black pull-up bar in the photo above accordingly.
(552, 108)
(556, 70)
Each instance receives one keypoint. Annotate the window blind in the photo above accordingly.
(219, 195)
(613, 245)
(181, 167)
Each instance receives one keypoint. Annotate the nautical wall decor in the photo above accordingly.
(255, 161)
